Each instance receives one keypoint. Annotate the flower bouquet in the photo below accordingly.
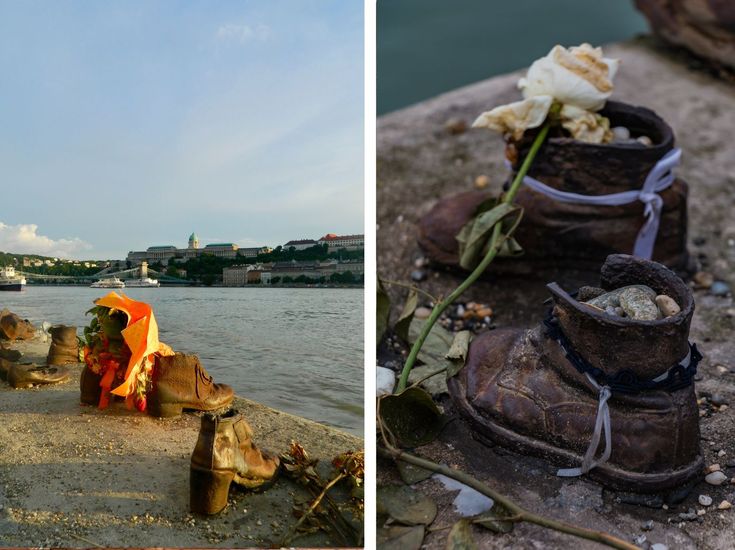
(119, 350)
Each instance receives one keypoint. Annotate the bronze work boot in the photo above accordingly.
(180, 382)
(557, 236)
(64, 349)
(5, 368)
(224, 453)
(9, 354)
(587, 384)
(25, 376)
(89, 384)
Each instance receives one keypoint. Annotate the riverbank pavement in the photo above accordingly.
(75, 476)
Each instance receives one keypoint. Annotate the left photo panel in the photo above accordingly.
(181, 274)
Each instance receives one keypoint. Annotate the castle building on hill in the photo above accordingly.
(165, 253)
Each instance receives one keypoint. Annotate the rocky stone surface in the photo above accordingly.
(667, 305)
(419, 161)
(705, 27)
(612, 298)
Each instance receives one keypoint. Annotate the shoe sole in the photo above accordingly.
(488, 432)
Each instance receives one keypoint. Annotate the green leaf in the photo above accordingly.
(405, 505)
(404, 320)
(495, 519)
(411, 417)
(435, 346)
(474, 237)
(460, 537)
(398, 537)
(457, 354)
(411, 474)
(383, 313)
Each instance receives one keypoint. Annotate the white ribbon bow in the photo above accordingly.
(659, 178)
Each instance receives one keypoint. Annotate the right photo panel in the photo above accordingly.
(555, 252)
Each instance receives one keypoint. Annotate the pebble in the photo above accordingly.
(420, 262)
(659, 546)
(701, 512)
(422, 312)
(645, 140)
(724, 505)
(667, 305)
(648, 525)
(691, 515)
(703, 279)
(712, 468)
(715, 478)
(640, 540)
(718, 399)
(418, 275)
(612, 298)
(455, 126)
(721, 453)
(620, 133)
(638, 304)
(705, 500)
(719, 288)
(482, 181)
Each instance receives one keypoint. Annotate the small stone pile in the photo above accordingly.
(472, 316)
(621, 135)
(638, 302)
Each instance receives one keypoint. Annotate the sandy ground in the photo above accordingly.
(420, 161)
(72, 475)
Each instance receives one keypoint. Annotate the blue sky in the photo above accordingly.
(133, 123)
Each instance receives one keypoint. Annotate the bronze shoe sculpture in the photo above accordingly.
(89, 384)
(10, 354)
(64, 348)
(576, 236)
(587, 384)
(25, 376)
(224, 453)
(5, 368)
(180, 382)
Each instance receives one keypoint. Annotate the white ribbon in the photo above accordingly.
(659, 178)
(602, 421)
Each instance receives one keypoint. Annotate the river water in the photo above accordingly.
(299, 350)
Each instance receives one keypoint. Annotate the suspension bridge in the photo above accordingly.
(107, 273)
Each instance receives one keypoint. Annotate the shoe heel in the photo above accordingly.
(208, 490)
(165, 410)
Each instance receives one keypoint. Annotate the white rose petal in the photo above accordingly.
(579, 76)
(516, 118)
(385, 381)
(585, 126)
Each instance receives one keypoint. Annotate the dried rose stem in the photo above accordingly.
(495, 244)
(519, 513)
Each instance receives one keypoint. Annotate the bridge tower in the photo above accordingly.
(143, 269)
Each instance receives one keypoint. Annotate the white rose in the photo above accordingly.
(579, 76)
(516, 118)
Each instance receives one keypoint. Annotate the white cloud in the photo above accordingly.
(243, 33)
(24, 239)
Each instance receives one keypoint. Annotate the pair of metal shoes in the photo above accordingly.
(62, 351)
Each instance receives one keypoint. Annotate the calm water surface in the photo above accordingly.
(297, 350)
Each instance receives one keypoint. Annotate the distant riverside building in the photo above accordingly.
(301, 244)
(165, 253)
(349, 242)
(253, 252)
(242, 275)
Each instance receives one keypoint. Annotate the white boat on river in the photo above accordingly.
(112, 282)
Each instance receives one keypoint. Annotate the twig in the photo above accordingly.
(410, 287)
(79, 537)
(314, 505)
(496, 241)
(520, 514)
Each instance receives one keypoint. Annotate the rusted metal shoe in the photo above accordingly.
(576, 236)
(180, 382)
(28, 375)
(605, 396)
(64, 348)
(225, 452)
